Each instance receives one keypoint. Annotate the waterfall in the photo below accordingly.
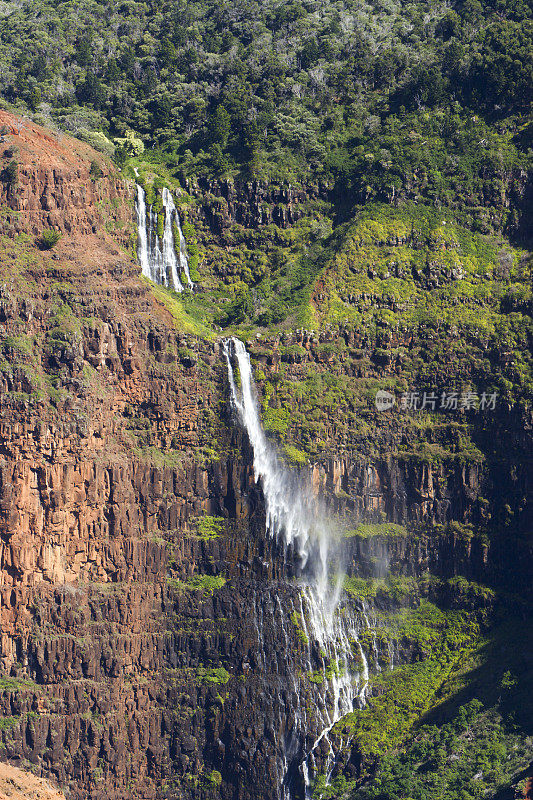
(142, 243)
(157, 257)
(294, 518)
(181, 261)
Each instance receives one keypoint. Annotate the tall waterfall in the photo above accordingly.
(157, 257)
(295, 520)
(142, 237)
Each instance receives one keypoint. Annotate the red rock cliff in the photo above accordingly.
(62, 183)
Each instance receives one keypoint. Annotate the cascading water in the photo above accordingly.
(157, 257)
(181, 261)
(295, 520)
(142, 244)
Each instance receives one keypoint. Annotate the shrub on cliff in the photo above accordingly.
(10, 174)
(48, 239)
(95, 171)
(129, 145)
(98, 140)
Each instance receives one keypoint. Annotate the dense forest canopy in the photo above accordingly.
(369, 93)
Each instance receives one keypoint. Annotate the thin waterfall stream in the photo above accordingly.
(161, 261)
(295, 519)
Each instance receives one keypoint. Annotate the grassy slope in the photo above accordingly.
(454, 724)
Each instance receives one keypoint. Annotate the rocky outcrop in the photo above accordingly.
(49, 180)
(129, 643)
(255, 203)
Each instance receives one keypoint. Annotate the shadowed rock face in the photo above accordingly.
(129, 670)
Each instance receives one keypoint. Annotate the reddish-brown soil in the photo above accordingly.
(55, 189)
(39, 146)
(15, 784)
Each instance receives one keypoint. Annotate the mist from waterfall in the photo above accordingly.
(296, 520)
(157, 256)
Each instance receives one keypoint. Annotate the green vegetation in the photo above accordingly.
(459, 318)
(216, 675)
(213, 779)
(8, 684)
(193, 250)
(10, 175)
(158, 457)
(210, 527)
(394, 587)
(354, 102)
(385, 253)
(8, 722)
(49, 238)
(95, 171)
(276, 420)
(295, 456)
(454, 722)
(476, 752)
(183, 320)
(386, 529)
(297, 622)
(382, 104)
(207, 584)
(442, 640)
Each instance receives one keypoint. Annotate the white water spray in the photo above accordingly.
(157, 257)
(295, 520)
(181, 261)
(142, 243)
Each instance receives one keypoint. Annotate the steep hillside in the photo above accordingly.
(15, 784)
(387, 99)
(51, 181)
(153, 639)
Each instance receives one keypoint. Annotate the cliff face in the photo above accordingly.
(59, 182)
(117, 663)
(255, 203)
(471, 467)
(146, 653)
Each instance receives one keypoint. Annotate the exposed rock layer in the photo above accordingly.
(61, 183)
(123, 677)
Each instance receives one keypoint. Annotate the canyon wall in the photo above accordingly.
(144, 655)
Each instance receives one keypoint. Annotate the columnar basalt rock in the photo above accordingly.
(254, 203)
(140, 658)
